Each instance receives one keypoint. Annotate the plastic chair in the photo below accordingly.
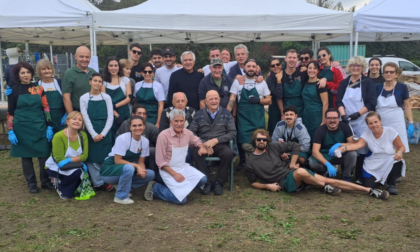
(231, 164)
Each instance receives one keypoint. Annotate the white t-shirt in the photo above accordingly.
(53, 86)
(383, 144)
(163, 74)
(158, 90)
(262, 88)
(84, 101)
(226, 66)
(125, 142)
(123, 85)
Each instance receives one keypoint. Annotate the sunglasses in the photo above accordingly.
(322, 55)
(262, 139)
(136, 52)
(147, 72)
(389, 72)
(274, 65)
(304, 58)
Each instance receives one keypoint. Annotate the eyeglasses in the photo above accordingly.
(147, 72)
(262, 139)
(274, 65)
(389, 72)
(356, 66)
(332, 118)
(305, 58)
(322, 55)
(136, 52)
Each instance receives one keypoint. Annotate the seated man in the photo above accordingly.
(291, 129)
(171, 149)
(325, 142)
(214, 125)
(179, 100)
(151, 132)
(265, 164)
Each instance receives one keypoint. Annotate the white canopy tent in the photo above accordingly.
(222, 21)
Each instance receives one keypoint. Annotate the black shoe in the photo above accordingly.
(207, 188)
(33, 189)
(240, 166)
(48, 186)
(218, 188)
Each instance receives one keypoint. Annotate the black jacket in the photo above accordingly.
(368, 92)
(207, 84)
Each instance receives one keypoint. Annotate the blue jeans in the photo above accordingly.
(94, 175)
(164, 193)
(127, 180)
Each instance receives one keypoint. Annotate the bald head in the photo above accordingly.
(212, 100)
(82, 57)
(179, 100)
(212, 93)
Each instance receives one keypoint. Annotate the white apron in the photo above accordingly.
(353, 102)
(392, 116)
(192, 175)
(70, 153)
(380, 163)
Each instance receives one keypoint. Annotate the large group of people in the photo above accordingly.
(154, 124)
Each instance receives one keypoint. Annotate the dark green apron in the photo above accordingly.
(250, 116)
(329, 141)
(274, 115)
(30, 128)
(329, 75)
(312, 112)
(292, 95)
(57, 109)
(146, 98)
(109, 168)
(117, 95)
(98, 115)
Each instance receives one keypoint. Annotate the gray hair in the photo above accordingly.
(185, 96)
(186, 53)
(240, 46)
(176, 112)
(357, 60)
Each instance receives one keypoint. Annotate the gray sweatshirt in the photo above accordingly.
(299, 132)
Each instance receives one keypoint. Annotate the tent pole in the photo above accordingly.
(1, 76)
(94, 42)
(51, 54)
(356, 42)
(150, 47)
(351, 44)
(91, 39)
(128, 51)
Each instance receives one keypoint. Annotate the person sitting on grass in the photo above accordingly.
(265, 164)
(291, 129)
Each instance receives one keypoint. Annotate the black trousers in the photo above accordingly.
(392, 177)
(224, 153)
(29, 172)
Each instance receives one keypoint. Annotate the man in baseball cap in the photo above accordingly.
(163, 74)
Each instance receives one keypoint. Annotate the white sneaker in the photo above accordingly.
(148, 194)
(124, 201)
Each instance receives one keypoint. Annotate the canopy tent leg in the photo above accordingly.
(51, 55)
(356, 42)
(91, 39)
(150, 47)
(94, 43)
(128, 51)
(1, 76)
(351, 44)
(313, 44)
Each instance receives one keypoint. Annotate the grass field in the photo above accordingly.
(243, 220)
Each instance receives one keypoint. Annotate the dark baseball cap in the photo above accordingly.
(168, 50)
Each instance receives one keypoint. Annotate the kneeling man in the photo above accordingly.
(265, 164)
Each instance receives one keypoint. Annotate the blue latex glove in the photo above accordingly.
(50, 133)
(332, 149)
(9, 91)
(85, 168)
(64, 162)
(410, 130)
(332, 172)
(63, 120)
(12, 137)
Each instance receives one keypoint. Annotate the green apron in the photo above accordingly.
(109, 168)
(146, 98)
(57, 109)
(274, 115)
(30, 128)
(250, 116)
(329, 75)
(329, 141)
(117, 95)
(98, 115)
(292, 95)
(312, 112)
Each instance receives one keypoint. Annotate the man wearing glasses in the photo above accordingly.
(325, 142)
(135, 55)
(274, 174)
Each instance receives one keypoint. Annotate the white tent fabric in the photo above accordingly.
(218, 21)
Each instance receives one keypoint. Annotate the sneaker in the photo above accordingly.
(240, 166)
(358, 181)
(218, 188)
(107, 187)
(207, 188)
(398, 180)
(61, 195)
(124, 201)
(331, 190)
(48, 186)
(392, 190)
(380, 194)
(33, 189)
(148, 194)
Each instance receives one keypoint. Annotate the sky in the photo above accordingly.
(349, 3)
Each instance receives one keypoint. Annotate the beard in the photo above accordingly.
(261, 147)
(250, 74)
